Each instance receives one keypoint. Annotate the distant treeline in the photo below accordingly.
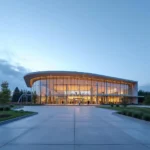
(146, 99)
(17, 93)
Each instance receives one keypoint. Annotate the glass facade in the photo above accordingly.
(74, 89)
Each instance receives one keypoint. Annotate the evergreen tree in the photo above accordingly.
(5, 93)
(29, 96)
(146, 99)
(16, 95)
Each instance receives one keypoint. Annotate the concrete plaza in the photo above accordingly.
(75, 128)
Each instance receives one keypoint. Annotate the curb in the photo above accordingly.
(17, 118)
(17, 108)
(64, 105)
(69, 105)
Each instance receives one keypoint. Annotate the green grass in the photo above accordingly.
(109, 107)
(13, 114)
(136, 112)
(137, 109)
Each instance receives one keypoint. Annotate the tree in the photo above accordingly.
(124, 101)
(147, 100)
(29, 96)
(5, 93)
(16, 95)
(34, 97)
(143, 93)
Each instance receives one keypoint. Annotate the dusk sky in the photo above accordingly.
(108, 37)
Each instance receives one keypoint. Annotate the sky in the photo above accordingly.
(107, 37)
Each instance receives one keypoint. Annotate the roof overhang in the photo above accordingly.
(30, 78)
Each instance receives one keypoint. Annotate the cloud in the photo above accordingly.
(145, 87)
(13, 74)
(6, 54)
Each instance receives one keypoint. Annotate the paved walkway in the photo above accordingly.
(75, 128)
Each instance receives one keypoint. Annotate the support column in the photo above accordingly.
(31, 94)
(91, 92)
(50, 99)
(106, 88)
(106, 99)
(66, 95)
(40, 90)
(46, 91)
(96, 93)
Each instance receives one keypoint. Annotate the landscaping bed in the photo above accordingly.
(6, 113)
(136, 112)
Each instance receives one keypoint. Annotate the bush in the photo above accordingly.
(146, 117)
(147, 100)
(4, 115)
(4, 108)
(117, 105)
(7, 108)
(137, 115)
(124, 105)
(11, 105)
(111, 104)
(129, 113)
(124, 112)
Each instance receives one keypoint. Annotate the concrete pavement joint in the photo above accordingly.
(25, 132)
(16, 137)
(69, 144)
(74, 129)
(91, 128)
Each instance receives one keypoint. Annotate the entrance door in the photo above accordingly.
(78, 100)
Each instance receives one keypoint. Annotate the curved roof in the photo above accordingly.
(33, 75)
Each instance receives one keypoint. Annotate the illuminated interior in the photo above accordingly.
(75, 89)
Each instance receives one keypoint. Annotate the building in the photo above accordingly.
(67, 87)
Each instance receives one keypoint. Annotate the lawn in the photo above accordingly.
(136, 112)
(139, 109)
(6, 115)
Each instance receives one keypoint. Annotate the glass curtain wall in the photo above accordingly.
(69, 90)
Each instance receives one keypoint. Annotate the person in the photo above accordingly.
(62, 102)
(88, 102)
(79, 102)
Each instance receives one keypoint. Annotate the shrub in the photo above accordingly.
(4, 108)
(117, 105)
(4, 115)
(11, 105)
(146, 117)
(147, 100)
(129, 113)
(124, 112)
(7, 108)
(111, 104)
(137, 115)
(141, 115)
